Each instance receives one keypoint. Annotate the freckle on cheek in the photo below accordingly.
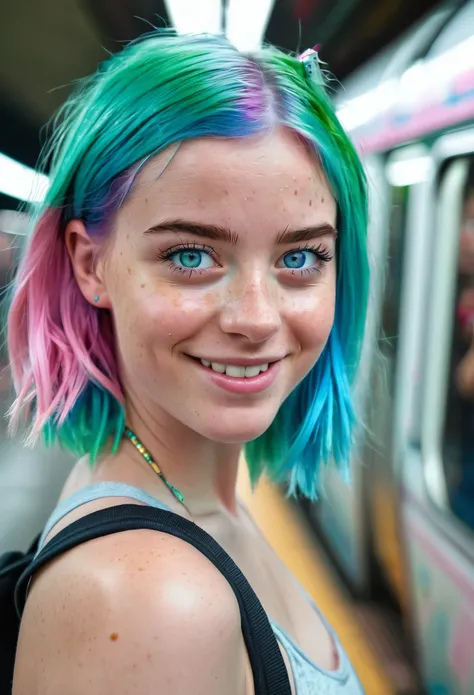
(143, 285)
(114, 637)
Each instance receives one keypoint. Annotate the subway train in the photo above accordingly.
(407, 520)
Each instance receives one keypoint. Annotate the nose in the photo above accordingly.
(251, 310)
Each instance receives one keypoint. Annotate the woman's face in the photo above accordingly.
(223, 262)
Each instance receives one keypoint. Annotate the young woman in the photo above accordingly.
(196, 282)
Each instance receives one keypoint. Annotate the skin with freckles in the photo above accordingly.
(241, 301)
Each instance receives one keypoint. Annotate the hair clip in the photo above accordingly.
(311, 62)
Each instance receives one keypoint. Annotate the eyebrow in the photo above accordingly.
(217, 233)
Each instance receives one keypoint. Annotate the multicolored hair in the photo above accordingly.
(159, 90)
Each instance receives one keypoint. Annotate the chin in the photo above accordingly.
(236, 429)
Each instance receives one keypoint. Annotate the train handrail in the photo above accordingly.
(441, 317)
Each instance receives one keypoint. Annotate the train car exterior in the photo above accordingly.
(411, 504)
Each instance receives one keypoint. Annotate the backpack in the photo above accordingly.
(12, 566)
(16, 569)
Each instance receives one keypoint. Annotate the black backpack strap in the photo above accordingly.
(268, 668)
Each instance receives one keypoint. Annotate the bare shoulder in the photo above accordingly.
(138, 611)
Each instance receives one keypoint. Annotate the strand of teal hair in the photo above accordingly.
(95, 424)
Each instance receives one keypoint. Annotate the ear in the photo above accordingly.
(87, 267)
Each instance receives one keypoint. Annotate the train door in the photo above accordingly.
(407, 171)
(438, 466)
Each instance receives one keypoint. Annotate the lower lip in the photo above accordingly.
(246, 384)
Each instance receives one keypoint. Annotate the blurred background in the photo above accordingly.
(390, 557)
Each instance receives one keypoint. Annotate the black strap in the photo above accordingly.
(268, 668)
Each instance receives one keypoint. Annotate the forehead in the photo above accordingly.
(228, 180)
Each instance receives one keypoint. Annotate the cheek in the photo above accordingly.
(311, 317)
(159, 314)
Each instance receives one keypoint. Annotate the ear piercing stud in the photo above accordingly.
(96, 298)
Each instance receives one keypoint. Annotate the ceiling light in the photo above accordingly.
(425, 81)
(19, 181)
(367, 106)
(195, 16)
(246, 22)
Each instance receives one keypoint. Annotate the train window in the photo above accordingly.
(458, 435)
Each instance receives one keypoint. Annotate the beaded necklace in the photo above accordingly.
(149, 459)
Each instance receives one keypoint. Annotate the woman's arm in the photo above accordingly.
(138, 613)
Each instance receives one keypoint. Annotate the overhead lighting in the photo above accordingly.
(407, 172)
(425, 80)
(21, 182)
(195, 16)
(456, 60)
(246, 22)
(364, 108)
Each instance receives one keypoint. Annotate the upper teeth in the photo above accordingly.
(232, 370)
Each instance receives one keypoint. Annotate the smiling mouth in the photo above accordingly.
(233, 370)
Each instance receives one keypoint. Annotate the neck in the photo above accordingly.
(204, 471)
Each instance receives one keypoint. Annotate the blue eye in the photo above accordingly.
(192, 259)
(300, 259)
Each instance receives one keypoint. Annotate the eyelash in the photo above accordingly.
(165, 256)
(323, 255)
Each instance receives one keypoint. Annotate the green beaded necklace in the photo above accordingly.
(149, 459)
